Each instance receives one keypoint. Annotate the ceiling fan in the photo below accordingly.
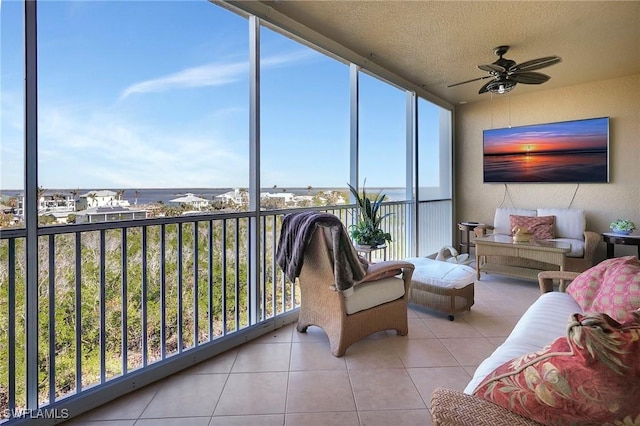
(506, 73)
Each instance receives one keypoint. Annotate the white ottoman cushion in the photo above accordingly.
(441, 274)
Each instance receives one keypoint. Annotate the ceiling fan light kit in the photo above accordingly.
(507, 74)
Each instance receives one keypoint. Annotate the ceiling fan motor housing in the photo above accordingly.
(504, 63)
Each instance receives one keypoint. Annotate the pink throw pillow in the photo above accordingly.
(612, 286)
(540, 226)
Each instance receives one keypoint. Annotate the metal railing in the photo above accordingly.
(118, 298)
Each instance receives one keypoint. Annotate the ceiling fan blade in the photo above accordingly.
(492, 68)
(529, 77)
(469, 81)
(536, 64)
(485, 88)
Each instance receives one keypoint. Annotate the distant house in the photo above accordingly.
(101, 198)
(191, 200)
(56, 204)
(61, 204)
(283, 197)
(109, 214)
(235, 197)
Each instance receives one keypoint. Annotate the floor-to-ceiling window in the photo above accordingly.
(434, 177)
(11, 113)
(304, 119)
(382, 138)
(149, 101)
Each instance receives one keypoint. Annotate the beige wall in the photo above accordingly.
(618, 99)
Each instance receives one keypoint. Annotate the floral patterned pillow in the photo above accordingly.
(612, 286)
(540, 226)
(590, 377)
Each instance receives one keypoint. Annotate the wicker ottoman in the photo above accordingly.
(442, 286)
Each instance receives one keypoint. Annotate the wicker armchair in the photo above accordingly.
(324, 306)
(455, 408)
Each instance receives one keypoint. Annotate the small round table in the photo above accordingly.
(612, 238)
(465, 230)
(366, 250)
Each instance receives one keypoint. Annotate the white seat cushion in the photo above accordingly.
(441, 274)
(577, 246)
(544, 321)
(372, 293)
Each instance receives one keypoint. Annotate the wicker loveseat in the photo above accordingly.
(536, 334)
(569, 226)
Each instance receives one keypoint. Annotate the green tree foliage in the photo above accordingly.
(106, 278)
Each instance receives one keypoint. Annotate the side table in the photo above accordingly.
(465, 231)
(368, 250)
(612, 238)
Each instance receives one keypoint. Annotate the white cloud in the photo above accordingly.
(217, 74)
(206, 75)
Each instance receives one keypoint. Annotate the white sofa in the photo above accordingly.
(544, 321)
(569, 226)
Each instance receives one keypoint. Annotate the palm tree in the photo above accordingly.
(41, 192)
(309, 188)
(92, 196)
(74, 193)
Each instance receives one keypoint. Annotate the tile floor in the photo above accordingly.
(289, 378)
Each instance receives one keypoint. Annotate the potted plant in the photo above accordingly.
(366, 231)
(622, 226)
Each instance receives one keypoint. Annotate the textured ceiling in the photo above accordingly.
(437, 43)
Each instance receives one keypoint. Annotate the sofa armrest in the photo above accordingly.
(545, 279)
(454, 408)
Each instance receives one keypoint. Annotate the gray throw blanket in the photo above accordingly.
(297, 231)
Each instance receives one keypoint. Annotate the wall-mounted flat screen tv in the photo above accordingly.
(565, 152)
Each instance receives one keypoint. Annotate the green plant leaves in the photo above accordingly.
(367, 231)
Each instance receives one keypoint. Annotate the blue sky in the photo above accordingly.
(155, 94)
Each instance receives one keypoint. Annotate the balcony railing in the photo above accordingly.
(121, 304)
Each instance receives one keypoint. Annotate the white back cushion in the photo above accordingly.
(501, 221)
(570, 223)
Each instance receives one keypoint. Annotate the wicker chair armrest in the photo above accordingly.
(380, 270)
(545, 279)
(591, 241)
(454, 408)
(481, 230)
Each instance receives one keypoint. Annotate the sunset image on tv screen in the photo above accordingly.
(569, 151)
